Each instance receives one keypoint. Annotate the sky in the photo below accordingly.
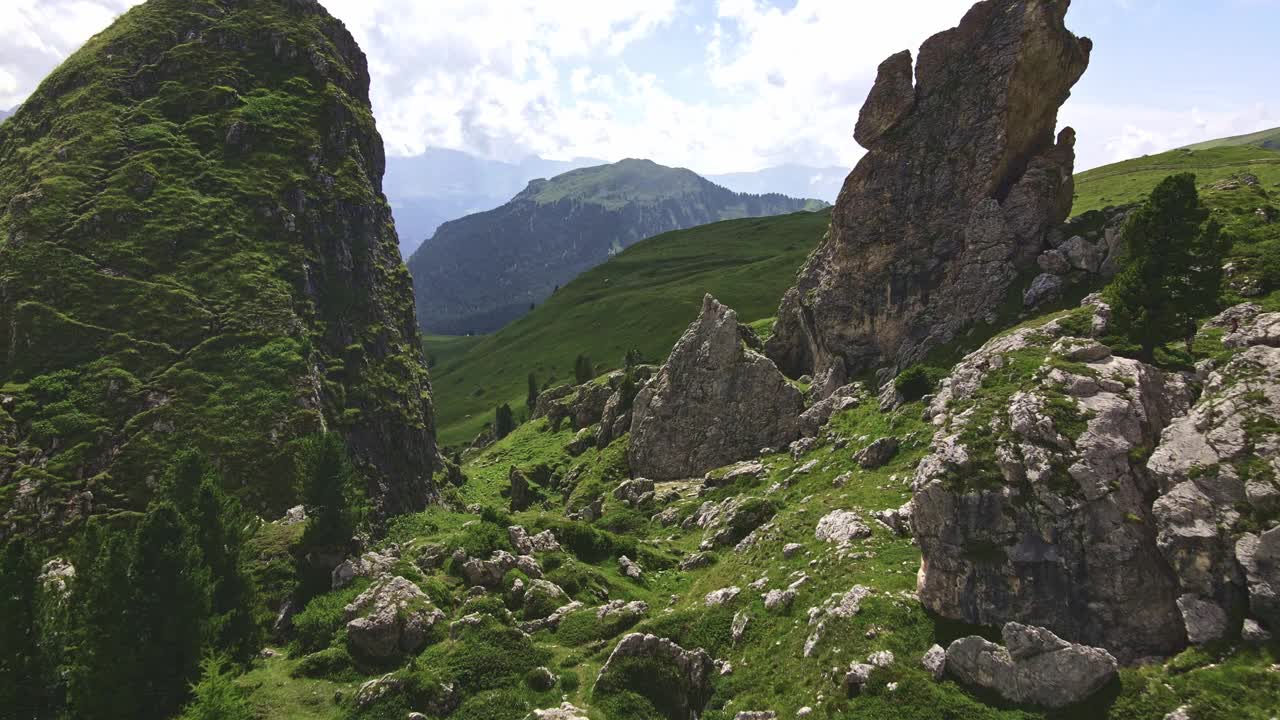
(727, 85)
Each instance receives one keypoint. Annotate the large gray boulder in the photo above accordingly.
(641, 657)
(962, 182)
(715, 401)
(1035, 667)
(392, 617)
(1034, 505)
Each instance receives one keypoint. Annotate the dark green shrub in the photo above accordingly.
(315, 626)
(917, 381)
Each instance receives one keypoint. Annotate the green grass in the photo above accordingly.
(642, 298)
(1132, 180)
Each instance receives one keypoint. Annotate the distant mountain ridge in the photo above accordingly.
(439, 185)
(429, 189)
(481, 272)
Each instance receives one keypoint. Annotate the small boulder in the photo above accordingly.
(841, 527)
(691, 670)
(630, 568)
(722, 596)
(877, 454)
(1035, 667)
(392, 616)
(857, 678)
(935, 661)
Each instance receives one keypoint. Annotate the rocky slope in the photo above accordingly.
(962, 181)
(481, 272)
(188, 261)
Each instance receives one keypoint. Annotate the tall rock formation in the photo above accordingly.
(195, 250)
(961, 182)
(716, 400)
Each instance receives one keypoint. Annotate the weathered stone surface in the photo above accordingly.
(839, 400)
(615, 419)
(838, 605)
(857, 677)
(371, 564)
(962, 182)
(630, 568)
(715, 401)
(722, 596)
(935, 661)
(542, 598)
(878, 453)
(693, 670)
(527, 544)
(841, 527)
(897, 519)
(1044, 288)
(393, 616)
(1035, 667)
(566, 711)
(1260, 558)
(731, 521)
(1048, 519)
(1217, 467)
(488, 573)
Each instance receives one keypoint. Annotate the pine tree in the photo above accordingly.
(332, 500)
(222, 532)
(103, 673)
(504, 421)
(531, 400)
(22, 679)
(1172, 273)
(171, 604)
(216, 696)
(583, 370)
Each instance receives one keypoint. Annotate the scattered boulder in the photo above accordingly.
(1035, 667)
(935, 661)
(881, 658)
(961, 185)
(841, 527)
(739, 471)
(714, 402)
(1043, 289)
(371, 564)
(636, 493)
(295, 515)
(697, 560)
(542, 598)
(738, 627)
(723, 596)
(878, 453)
(488, 573)
(583, 440)
(527, 544)
(839, 400)
(566, 711)
(898, 520)
(630, 568)
(638, 657)
(775, 599)
(857, 677)
(541, 679)
(520, 491)
(393, 616)
(733, 520)
(838, 605)
(791, 549)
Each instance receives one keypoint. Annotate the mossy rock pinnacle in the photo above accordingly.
(195, 250)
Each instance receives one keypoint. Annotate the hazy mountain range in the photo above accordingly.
(440, 185)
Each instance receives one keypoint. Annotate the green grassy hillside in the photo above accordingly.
(1269, 139)
(1129, 181)
(643, 298)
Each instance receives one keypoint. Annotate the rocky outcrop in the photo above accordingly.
(1087, 248)
(393, 616)
(962, 182)
(215, 304)
(1035, 667)
(1035, 504)
(715, 401)
(638, 659)
(1218, 469)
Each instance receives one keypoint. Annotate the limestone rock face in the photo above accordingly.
(1034, 667)
(1035, 505)
(715, 401)
(1218, 468)
(693, 670)
(961, 183)
(393, 616)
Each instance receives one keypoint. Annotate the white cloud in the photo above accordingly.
(1119, 132)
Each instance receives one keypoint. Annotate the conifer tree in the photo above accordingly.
(171, 601)
(1172, 273)
(332, 501)
(103, 672)
(222, 531)
(531, 399)
(504, 421)
(216, 696)
(22, 679)
(583, 369)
